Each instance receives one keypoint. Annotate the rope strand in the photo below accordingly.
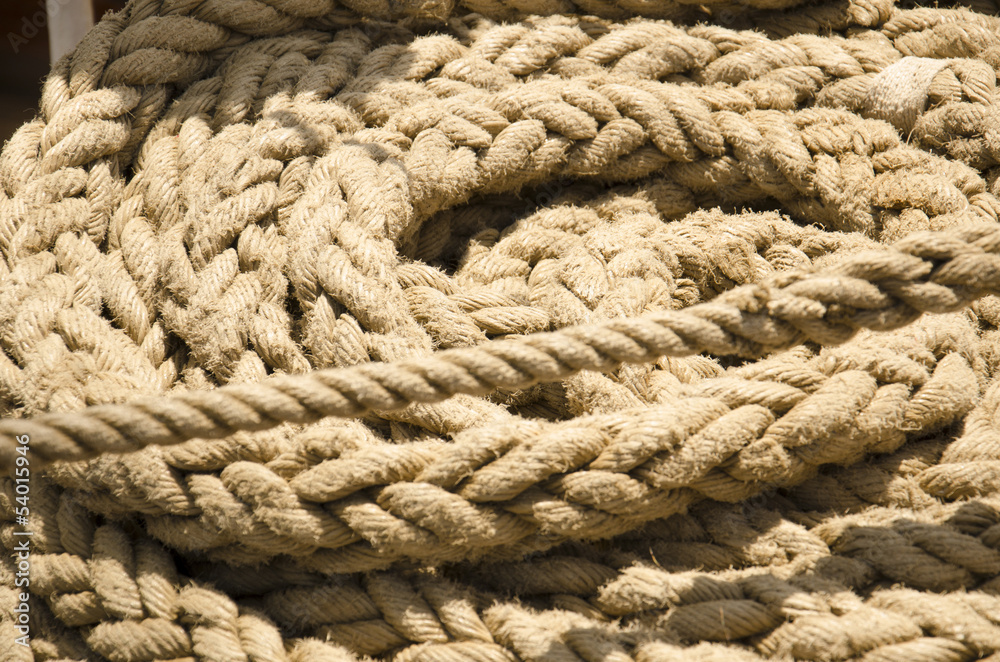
(927, 272)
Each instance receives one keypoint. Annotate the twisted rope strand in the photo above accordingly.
(785, 600)
(927, 272)
(284, 83)
(579, 479)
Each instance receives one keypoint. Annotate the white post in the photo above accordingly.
(69, 20)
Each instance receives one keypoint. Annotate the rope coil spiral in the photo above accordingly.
(502, 330)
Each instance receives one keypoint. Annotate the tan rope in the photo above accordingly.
(804, 599)
(383, 329)
(725, 438)
(926, 273)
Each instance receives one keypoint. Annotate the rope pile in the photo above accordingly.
(499, 330)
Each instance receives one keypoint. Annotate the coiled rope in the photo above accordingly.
(927, 272)
(557, 331)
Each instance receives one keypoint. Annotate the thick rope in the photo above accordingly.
(380, 329)
(530, 485)
(127, 277)
(790, 605)
(928, 272)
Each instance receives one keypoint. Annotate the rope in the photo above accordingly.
(804, 590)
(928, 272)
(559, 330)
(727, 439)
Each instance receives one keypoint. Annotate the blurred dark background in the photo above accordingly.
(24, 59)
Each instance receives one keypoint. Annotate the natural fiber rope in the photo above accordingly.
(927, 272)
(610, 480)
(387, 330)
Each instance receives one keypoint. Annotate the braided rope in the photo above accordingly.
(379, 329)
(793, 604)
(927, 272)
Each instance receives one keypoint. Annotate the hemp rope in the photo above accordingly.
(873, 290)
(384, 330)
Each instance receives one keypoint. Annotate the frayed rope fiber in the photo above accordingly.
(505, 330)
